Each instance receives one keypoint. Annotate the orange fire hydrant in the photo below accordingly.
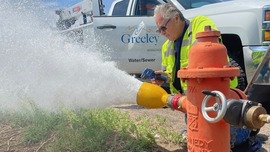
(208, 78)
(208, 69)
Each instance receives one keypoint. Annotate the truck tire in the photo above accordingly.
(241, 79)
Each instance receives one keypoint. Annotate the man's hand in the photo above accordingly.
(157, 81)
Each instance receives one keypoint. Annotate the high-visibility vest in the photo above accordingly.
(196, 25)
(257, 57)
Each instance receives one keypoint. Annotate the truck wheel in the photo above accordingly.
(241, 79)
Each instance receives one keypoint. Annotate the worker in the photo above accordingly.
(181, 34)
(257, 57)
(84, 18)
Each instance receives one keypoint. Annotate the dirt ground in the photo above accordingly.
(175, 119)
(10, 136)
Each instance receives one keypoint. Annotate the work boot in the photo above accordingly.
(250, 145)
(254, 145)
(243, 147)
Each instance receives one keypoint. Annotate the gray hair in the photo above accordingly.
(167, 11)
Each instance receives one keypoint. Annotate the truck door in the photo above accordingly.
(129, 32)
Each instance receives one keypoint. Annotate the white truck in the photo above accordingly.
(72, 16)
(129, 30)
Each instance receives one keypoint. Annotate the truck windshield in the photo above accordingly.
(189, 4)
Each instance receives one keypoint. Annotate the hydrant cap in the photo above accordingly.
(208, 32)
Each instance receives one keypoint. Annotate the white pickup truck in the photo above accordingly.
(129, 30)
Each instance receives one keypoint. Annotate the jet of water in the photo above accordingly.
(38, 64)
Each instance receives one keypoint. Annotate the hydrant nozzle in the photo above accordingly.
(265, 118)
(256, 117)
(153, 96)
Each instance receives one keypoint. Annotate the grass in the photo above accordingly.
(89, 130)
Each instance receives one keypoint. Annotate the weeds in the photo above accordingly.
(91, 130)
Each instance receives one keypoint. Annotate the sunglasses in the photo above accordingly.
(163, 28)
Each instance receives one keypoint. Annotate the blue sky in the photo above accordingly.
(66, 3)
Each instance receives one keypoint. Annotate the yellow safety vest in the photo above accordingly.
(196, 25)
(257, 57)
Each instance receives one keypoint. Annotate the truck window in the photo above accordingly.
(146, 7)
(101, 7)
(188, 4)
(120, 8)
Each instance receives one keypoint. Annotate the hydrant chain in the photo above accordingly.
(217, 107)
(207, 92)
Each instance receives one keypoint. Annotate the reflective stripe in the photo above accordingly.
(168, 54)
(163, 68)
(195, 42)
(188, 40)
(170, 50)
(185, 43)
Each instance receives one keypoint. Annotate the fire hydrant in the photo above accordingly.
(208, 111)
